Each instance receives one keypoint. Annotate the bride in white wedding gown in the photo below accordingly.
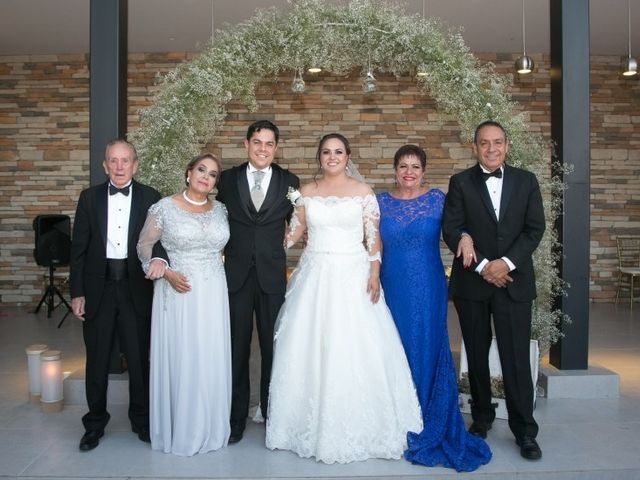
(341, 389)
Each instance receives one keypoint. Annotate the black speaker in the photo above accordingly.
(53, 240)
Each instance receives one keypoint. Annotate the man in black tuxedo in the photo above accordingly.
(494, 211)
(109, 291)
(255, 194)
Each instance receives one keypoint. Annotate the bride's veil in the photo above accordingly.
(353, 172)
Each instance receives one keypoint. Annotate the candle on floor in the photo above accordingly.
(33, 365)
(51, 378)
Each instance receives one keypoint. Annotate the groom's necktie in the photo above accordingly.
(257, 194)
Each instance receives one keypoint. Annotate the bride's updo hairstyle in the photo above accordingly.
(323, 140)
(196, 160)
(410, 151)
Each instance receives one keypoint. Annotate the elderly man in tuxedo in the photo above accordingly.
(494, 212)
(109, 291)
(255, 194)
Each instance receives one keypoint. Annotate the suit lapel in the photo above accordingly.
(243, 190)
(134, 214)
(507, 188)
(102, 211)
(481, 185)
(273, 192)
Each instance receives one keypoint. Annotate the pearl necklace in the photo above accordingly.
(193, 202)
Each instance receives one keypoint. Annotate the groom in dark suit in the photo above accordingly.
(109, 291)
(255, 194)
(497, 209)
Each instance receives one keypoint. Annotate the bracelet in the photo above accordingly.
(376, 257)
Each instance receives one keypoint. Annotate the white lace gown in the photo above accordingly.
(190, 384)
(341, 389)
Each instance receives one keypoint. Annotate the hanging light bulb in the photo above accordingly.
(422, 71)
(629, 64)
(213, 23)
(630, 67)
(298, 85)
(369, 83)
(524, 64)
(314, 68)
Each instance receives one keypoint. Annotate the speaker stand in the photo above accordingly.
(49, 298)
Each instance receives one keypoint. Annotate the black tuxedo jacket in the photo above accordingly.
(256, 237)
(89, 247)
(515, 235)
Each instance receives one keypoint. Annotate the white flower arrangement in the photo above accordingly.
(190, 104)
(294, 195)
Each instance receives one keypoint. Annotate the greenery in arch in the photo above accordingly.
(190, 104)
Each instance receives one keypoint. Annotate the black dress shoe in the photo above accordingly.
(480, 429)
(90, 439)
(236, 436)
(529, 448)
(143, 433)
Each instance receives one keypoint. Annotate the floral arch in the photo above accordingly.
(190, 105)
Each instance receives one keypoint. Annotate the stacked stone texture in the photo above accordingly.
(44, 143)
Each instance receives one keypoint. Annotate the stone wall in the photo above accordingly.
(44, 144)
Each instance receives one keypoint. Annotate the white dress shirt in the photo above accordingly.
(118, 224)
(494, 186)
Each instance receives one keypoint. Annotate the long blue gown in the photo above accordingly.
(415, 290)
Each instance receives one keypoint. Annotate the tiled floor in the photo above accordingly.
(581, 439)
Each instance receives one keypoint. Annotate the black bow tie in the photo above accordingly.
(496, 173)
(124, 190)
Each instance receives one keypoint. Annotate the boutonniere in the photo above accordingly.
(294, 195)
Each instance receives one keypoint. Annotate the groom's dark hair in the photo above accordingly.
(261, 124)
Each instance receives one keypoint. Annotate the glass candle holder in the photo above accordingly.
(51, 378)
(33, 366)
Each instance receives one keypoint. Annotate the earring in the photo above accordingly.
(188, 179)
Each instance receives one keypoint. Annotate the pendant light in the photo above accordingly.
(422, 71)
(298, 85)
(213, 23)
(629, 64)
(524, 64)
(369, 81)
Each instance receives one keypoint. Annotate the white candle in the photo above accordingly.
(33, 365)
(51, 378)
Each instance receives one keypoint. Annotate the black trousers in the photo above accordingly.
(512, 325)
(116, 316)
(242, 304)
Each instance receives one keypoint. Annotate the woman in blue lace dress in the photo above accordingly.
(414, 283)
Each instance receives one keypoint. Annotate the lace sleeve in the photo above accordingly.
(150, 234)
(371, 220)
(297, 225)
